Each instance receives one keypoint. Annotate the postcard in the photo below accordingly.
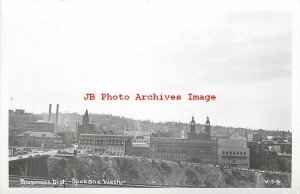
(150, 96)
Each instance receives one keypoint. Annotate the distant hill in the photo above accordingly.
(67, 121)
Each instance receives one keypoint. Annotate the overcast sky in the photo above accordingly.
(57, 52)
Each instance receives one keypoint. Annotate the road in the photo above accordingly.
(35, 154)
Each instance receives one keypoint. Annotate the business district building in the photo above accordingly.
(233, 152)
(192, 146)
(107, 142)
(39, 139)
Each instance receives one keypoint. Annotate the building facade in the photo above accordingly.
(233, 153)
(183, 150)
(105, 144)
(18, 123)
(140, 143)
(19, 118)
(255, 137)
(197, 147)
(39, 139)
(85, 127)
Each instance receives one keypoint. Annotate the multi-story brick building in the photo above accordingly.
(233, 153)
(102, 143)
(19, 118)
(183, 150)
(140, 143)
(18, 123)
(105, 142)
(197, 147)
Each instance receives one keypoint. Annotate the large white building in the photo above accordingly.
(102, 143)
(233, 153)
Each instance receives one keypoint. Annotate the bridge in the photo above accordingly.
(32, 164)
(29, 166)
(30, 155)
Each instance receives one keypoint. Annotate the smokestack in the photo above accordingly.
(56, 118)
(49, 116)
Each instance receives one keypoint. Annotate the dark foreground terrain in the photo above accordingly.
(145, 172)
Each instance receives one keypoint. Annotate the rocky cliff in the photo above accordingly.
(138, 170)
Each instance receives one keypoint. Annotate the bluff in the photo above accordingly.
(139, 170)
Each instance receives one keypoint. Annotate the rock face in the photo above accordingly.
(140, 170)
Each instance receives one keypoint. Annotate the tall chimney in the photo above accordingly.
(56, 118)
(49, 116)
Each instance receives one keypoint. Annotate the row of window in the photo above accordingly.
(184, 150)
(98, 147)
(176, 156)
(169, 140)
(230, 164)
(138, 140)
(233, 153)
(170, 156)
(235, 157)
(115, 148)
(101, 143)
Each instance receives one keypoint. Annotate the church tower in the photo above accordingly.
(85, 119)
(193, 125)
(207, 128)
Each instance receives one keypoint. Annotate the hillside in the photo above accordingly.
(67, 121)
(150, 171)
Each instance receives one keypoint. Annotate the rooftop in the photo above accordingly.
(38, 134)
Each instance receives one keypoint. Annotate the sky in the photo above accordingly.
(57, 52)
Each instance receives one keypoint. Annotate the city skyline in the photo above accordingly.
(257, 154)
(198, 120)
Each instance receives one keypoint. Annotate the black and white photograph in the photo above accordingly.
(147, 94)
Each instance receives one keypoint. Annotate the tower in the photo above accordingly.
(49, 115)
(207, 128)
(193, 125)
(56, 116)
(85, 119)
